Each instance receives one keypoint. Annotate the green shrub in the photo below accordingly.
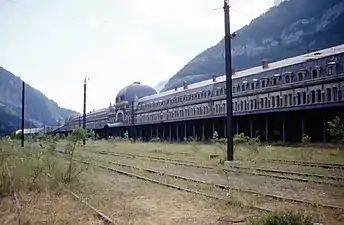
(282, 218)
(74, 142)
(336, 130)
(305, 139)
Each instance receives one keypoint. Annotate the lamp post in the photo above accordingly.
(162, 126)
(228, 65)
(23, 114)
(84, 113)
(133, 130)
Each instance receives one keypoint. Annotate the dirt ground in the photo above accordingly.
(321, 193)
(131, 201)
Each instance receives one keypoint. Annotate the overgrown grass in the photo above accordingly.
(36, 169)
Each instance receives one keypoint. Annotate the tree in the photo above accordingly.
(336, 130)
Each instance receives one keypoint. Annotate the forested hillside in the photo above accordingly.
(39, 110)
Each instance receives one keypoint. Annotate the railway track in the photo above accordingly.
(99, 214)
(241, 169)
(308, 163)
(220, 186)
(107, 220)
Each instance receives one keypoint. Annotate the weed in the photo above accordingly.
(282, 218)
(74, 141)
(305, 139)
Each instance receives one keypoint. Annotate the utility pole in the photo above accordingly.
(23, 114)
(228, 64)
(133, 131)
(84, 115)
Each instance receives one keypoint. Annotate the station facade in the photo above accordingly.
(278, 101)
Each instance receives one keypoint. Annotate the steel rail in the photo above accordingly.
(240, 169)
(308, 163)
(221, 186)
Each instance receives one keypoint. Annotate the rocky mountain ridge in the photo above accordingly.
(291, 28)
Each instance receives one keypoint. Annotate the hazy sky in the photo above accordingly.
(53, 44)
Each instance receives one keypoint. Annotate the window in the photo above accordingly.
(312, 96)
(274, 81)
(300, 76)
(251, 102)
(285, 100)
(255, 103)
(262, 103)
(304, 98)
(287, 79)
(290, 99)
(278, 101)
(328, 94)
(263, 83)
(318, 96)
(298, 98)
(323, 96)
(252, 86)
(330, 70)
(335, 94)
(243, 87)
(273, 101)
(266, 102)
(315, 74)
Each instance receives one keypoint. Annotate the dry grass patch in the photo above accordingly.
(37, 176)
(132, 201)
(248, 157)
(46, 208)
(200, 152)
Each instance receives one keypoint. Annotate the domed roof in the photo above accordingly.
(136, 89)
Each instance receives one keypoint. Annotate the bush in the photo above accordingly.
(336, 130)
(305, 139)
(27, 170)
(250, 143)
(282, 218)
(240, 139)
(74, 141)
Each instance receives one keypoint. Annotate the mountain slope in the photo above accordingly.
(289, 29)
(39, 110)
(160, 85)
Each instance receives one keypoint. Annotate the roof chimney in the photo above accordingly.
(176, 88)
(265, 64)
(185, 85)
(214, 78)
